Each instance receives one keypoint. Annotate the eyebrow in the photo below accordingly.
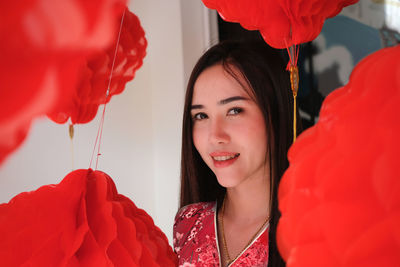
(223, 101)
(231, 99)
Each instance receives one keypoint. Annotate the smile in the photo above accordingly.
(221, 160)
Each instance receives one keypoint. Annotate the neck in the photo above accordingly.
(249, 202)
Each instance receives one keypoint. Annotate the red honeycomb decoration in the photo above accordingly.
(282, 23)
(95, 74)
(43, 44)
(81, 221)
(340, 198)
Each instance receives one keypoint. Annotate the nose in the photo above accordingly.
(218, 132)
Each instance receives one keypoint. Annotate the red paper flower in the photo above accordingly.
(282, 23)
(340, 197)
(82, 221)
(43, 44)
(95, 75)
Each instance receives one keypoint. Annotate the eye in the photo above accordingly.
(199, 116)
(235, 111)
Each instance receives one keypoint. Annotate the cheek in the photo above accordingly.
(256, 136)
(198, 139)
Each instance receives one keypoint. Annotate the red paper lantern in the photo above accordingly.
(81, 221)
(282, 23)
(95, 74)
(43, 44)
(340, 199)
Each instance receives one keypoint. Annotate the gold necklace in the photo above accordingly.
(221, 223)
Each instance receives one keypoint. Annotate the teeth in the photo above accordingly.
(221, 158)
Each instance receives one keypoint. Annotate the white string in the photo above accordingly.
(100, 129)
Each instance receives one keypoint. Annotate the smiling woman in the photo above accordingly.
(236, 133)
(228, 128)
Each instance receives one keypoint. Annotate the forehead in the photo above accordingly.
(215, 83)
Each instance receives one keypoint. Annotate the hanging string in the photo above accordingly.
(101, 134)
(100, 129)
(95, 142)
(293, 52)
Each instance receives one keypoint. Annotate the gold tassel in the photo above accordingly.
(71, 131)
(294, 81)
(71, 136)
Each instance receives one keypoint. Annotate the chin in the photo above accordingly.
(228, 181)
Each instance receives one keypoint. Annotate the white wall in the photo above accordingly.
(142, 130)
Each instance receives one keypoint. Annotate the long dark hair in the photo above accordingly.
(264, 70)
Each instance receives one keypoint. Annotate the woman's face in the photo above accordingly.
(228, 128)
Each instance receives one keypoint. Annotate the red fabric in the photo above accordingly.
(282, 23)
(42, 46)
(94, 75)
(196, 244)
(82, 221)
(340, 197)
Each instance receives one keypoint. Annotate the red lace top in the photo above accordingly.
(196, 242)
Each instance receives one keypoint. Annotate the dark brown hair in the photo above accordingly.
(264, 70)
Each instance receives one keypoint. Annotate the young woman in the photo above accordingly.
(237, 129)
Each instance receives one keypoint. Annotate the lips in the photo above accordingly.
(224, 159)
